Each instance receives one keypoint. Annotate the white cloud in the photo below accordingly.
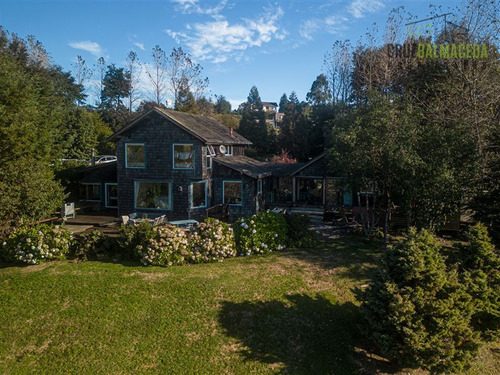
(193, 6)
(358, 8)
(331, 24)
(219, 40)
(91, 47)
(140, 46)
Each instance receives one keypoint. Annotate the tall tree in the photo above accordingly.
(253, 122)
(183, 73)
(82, 73)
(338, 67)
(116, 89)
(283, 103)
(133, 69)
(100, 72)
(222, 106)
(184, 100)
(157, 73)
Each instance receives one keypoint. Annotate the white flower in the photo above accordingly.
(254, 231)
(4, 243)
(275, 235)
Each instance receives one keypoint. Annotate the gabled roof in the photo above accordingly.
(245, 165)
(257, 169)
(308, 163)
(206, 129)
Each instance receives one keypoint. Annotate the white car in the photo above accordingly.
(100, 159)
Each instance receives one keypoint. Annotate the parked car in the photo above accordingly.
(100, 159)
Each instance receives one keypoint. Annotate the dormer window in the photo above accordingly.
(183, 156)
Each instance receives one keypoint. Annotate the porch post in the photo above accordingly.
(324, 191)
(294, 190)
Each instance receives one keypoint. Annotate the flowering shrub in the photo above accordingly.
(93, 245)
(261, 233)
(168, 246)
(36, 244)
(212, 241)
(133, 238)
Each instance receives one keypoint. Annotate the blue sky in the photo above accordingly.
(277, 46)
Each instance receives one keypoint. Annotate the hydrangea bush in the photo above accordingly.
(169, 246)
(261, 233)
(37, 244)
(213, 241)
(93, 245)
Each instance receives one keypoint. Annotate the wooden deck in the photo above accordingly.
(102, 222)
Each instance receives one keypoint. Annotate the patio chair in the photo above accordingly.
(125, 219)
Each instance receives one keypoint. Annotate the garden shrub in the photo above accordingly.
(481, 265)
(133, 238)
(212, 241)
(167, 246)
(261, 233)
(299, 234)
(37, 244)
(418, 312)
(93, 245)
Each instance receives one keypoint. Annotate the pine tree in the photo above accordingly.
(253, 122)
(418, 312)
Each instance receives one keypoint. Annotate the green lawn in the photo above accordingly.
(292, 312)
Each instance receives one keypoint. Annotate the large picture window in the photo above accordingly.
(135, 155)
(183, 156)
(91, 192)
(233, 192)
(153, 195)
(199, 194)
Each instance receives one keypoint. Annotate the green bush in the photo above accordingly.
(481, 265)
(261, 233)
(168, 246)
(93, 245)
(212, 241)
(418, 312)
(37, 244)
(299, 234)
(132, 238)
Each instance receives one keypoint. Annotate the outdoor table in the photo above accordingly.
(185, 223)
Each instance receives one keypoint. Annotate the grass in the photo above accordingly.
(292, 312)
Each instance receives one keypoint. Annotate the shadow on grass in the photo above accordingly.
(354, 256)
(303, 335)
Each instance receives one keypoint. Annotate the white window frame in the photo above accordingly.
(106, 196)
(126, 155)
(229, 151)
(260, 185)
(191, 194)
(223, 192)
(173, 155)
(211, 151)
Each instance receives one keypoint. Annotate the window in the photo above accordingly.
(153, 195)
(111, 195)
(91, 192)
(135, 155)
(229, 151)
(199, 194)
(210, 150)
(208, 158)
(183, 156)
(232, 192)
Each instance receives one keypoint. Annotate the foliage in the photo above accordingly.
(212, 241)
(261, 233)
(222, 106)
(93, 245)
(253, 121)
(134, 238)
(418, 312)
(167, 246)
(481, 262)
(299, 235)
(37, 244)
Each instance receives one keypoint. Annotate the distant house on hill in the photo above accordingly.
(270, 106)
(180, 164)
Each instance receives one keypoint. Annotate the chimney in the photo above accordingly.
(231, 131)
